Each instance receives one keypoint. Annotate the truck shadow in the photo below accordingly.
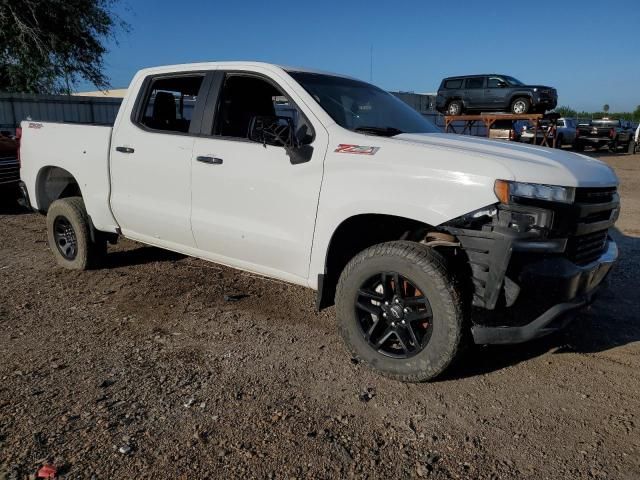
(140, 256)
(603, 153)
(612, 321)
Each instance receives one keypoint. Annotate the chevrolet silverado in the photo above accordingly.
(422, 240)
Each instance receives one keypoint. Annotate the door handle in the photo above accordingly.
(209, 160)
(125, 149)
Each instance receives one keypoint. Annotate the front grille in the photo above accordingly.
(594, 211)
(587, 248)
(595, 195)
(9, 170)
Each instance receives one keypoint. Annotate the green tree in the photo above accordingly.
(566, 111)
(48, 46)
(605, 108)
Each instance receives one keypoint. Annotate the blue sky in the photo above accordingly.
(589, 50)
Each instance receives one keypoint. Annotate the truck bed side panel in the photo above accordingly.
(81, 150)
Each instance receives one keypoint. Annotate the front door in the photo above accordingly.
(254, 203)
(497, 93)
(151, 162)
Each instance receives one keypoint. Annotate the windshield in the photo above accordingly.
(359, 106)
(514, 81)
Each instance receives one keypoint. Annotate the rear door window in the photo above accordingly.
(170, 102)
(475, 83)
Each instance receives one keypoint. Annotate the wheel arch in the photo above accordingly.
(517, 95)
(357, 233)
(54, 183)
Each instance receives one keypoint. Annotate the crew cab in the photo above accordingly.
(493, 93)
(331, 183)
(605, 132)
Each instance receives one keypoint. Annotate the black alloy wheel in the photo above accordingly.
(65, 238)
(394, 316)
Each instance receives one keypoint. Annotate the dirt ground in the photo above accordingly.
(143, 369)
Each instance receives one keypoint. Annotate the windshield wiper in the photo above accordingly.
(382, 131)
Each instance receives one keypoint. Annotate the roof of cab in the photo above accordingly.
(233, 64)
(477, 75)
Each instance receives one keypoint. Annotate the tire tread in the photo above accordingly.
(432, 264)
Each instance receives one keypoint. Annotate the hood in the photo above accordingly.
(526, 163)
(540, 87)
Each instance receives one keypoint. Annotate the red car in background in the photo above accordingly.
(9, 162)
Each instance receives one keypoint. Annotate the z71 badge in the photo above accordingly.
(356, 149)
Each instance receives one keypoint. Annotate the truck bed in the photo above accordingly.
(81, 149)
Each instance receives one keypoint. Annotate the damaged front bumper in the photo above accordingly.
(533, 266)
(553, 280)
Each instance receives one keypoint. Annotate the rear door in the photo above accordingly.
(254, 203)
(151, 160)
(474, 93)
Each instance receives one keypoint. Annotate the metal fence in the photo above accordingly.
(15, 107)
(420, 102)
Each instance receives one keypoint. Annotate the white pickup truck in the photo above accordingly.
(423, 240)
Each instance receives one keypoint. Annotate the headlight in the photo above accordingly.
(506, 190)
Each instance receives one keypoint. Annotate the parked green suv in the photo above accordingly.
(493, 93)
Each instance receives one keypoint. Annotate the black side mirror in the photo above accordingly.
(502, 84)
(273, 130)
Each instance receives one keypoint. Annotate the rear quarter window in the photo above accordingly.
(453, 84)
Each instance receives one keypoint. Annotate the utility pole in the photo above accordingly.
(371, 66)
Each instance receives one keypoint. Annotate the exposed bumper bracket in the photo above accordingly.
(589, 280)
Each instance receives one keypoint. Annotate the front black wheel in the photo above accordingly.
(69, 235)
(400, 311)
(520, 106)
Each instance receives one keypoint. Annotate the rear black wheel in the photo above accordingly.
(455, 107)
(65, 237)
(400, 311)
(559, 141)
(69, 235)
